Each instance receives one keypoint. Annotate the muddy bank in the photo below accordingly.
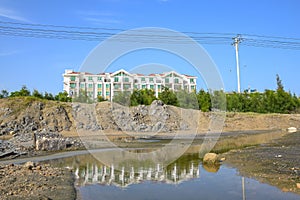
(34, 181)
(276, 163)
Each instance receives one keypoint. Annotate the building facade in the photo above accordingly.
(107, 85)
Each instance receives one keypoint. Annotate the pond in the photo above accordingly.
(185, 178)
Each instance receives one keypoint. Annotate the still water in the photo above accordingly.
(185, 178)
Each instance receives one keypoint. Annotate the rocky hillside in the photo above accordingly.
(27, 114)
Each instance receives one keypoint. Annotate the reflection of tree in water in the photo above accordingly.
(88, 170)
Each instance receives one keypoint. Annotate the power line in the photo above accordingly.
(50, 31)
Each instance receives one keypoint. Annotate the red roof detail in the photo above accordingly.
(189, 76)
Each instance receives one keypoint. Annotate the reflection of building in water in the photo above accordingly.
(98, 173)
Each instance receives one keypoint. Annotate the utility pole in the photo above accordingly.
(236, 41)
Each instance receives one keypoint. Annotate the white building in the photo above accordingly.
(109, 84)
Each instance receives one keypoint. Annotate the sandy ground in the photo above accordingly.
(276, 163)
(36, 182)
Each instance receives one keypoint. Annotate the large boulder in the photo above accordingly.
(51, 144)
(210, 158)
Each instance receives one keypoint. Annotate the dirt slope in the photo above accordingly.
(27, 114)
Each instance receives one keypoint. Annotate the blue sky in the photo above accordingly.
(39, 63)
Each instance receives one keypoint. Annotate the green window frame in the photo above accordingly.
(143, 79)
(143, 86)
(99, 85)
(192, 80)
(90, 78)
(72, 78)
(151, 79)
(99, 78)
(82, 85)
(72, 85)
(176, 80)
(90, 85)
(167, 80)
(152, 87)
(107, 93)
(126, 79)
(100, 93)
(116, 79)
(107, 86)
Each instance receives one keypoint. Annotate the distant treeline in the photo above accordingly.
(269, 101)
(24, 92)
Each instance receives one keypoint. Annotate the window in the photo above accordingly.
(117, 86)
(192, 80)
(100, 93)
(152, 87)
(116, 79)
(90, 78)
(72, 78)
(107, 86)
(166, 80)
(126, 86)
(158, 86)
(82, 85)
(126, 79)
(99, 78)
(151, 79)
(192, 87)
(99, 85)
(90, 85)
(143, 79)
(73, 85)
(143, 86)
(176, 80)
(136, 86)
(107, 93)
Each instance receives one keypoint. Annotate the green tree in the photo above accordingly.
(100, 98)
(256, 102)
(269, 101)
(204, 101)
(63, 96)
(22, 92)
(142, 97)
(4, 94)
(279, 83)
(37, 94)
(187, 99)
(49, 96)
(218, 100)
(83, 97)
(122, 98)
(168, 97)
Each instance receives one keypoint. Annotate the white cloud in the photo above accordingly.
(8, 53)
(97, 13)
(12, 14)
(102, 20)
(99, 17)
